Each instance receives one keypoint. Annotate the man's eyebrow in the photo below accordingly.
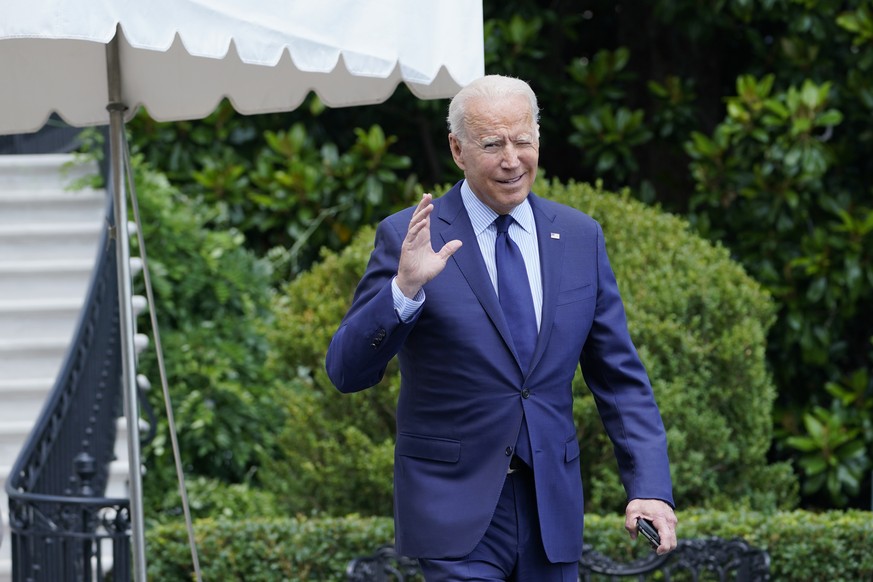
(491, 140)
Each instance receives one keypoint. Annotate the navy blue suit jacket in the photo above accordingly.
(461, 398)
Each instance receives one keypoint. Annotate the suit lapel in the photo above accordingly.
(551, 247)
(454, 223)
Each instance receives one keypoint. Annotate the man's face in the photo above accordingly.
(499, 157)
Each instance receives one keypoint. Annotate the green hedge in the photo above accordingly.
(698, 320)
(212, 499)
(264, 550)
(213, 300)
(803, 547)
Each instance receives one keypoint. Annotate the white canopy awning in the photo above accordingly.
(179, 58)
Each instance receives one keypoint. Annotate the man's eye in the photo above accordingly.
(490, 146)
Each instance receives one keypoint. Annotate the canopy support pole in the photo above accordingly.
(116, 109)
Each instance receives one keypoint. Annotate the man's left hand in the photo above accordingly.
(660, 514)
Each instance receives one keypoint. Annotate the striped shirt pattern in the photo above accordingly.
(523, 232)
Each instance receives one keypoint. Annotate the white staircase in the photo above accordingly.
(48, 246)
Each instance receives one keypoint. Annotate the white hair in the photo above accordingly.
(489, 87)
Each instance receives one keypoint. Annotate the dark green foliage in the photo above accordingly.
(665, 97)
(281, 187)
(697, 318)
(770, 102)
(803, 546)
(763, 189)
(833, 449)
(213, 498)
(604, 129)
(212, 299)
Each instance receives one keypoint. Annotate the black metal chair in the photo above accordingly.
(710, 558)
(385, 565)
(693, 560)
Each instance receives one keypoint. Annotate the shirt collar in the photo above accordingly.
(481, 216)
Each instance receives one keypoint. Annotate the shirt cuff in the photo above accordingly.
(405, 307)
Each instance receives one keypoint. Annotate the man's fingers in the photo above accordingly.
(426, 199)
(449, 249)
(661, 515)
(422, 206)
(667, 532)
(420, 216)
(415, 227)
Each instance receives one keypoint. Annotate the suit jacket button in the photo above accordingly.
(377, 339)
(525, 393)
(508, 451)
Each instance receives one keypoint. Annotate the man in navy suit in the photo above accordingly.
(487, 482)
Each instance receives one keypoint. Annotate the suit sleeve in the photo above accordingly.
(623, 393)
(371, 333)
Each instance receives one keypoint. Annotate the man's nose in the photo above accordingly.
(510, 156)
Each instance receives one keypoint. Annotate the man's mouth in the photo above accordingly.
(511, 180)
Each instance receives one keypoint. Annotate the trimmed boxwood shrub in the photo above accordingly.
(803, 546)
(264, 549)
(698, 320)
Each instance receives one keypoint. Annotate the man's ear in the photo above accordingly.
(455, 146)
